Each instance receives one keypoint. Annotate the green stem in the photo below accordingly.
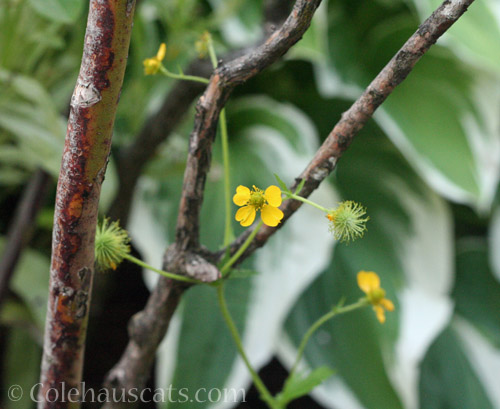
(241, 250)
(228, 231)
(303, 199)
(169, 74)
(211, 52)
(314, 327)
(264, 392)
(161, 272)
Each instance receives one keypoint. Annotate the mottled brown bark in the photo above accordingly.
(86, 150)
(353, 120)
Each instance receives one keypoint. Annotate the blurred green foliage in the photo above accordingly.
(427, 168)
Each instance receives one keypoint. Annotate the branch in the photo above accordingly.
(146, 329)
(353, 120)
(222, 82)
(132, 159)
(21, 228)
(86, 150)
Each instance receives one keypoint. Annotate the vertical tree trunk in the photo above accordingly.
(86, 150)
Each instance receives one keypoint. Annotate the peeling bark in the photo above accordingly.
(85, 156)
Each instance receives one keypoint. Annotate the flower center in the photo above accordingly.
(257, 198)
(377, 295)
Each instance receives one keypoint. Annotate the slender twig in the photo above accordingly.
(354, 119)
(21, 227)
(88, 140)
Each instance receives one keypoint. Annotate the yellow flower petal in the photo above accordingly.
(245, 215)
(380, 313)
(160, 55)
(151, 66)
(271, 215)
(387, 304)
(242, 195)
(273, 195)
(368, 281)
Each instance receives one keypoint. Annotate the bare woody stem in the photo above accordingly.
(353, 120)
(21, 229)
(86, 150)
(225, 78)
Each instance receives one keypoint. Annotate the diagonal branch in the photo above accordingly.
(353, 120)
(86, 150)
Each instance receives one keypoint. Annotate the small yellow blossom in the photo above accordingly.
(369, 282)
(111, 245)
(152, 65)
(252, 200)
(347, 222)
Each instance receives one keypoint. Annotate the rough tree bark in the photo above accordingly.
(86, 150)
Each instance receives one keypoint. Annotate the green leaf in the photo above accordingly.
(22, 368)
(300, 186)
(476, 36)
(242, 273)
(476, 291)
(436, 107)
(282, 184)
(61, 11)
(447, 379)
(299, 385)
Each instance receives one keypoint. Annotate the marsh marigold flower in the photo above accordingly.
(111, 245)
(347, 222)
(252, 200)
(152, 65)
(369, 282)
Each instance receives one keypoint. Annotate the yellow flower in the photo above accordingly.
(252, 200)
(369, 282)
(152, 65)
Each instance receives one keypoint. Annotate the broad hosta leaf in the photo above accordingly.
(408, 244)
(435, 117)
(448, 379)
(62, 11)
(476, 292)
(476, 36)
